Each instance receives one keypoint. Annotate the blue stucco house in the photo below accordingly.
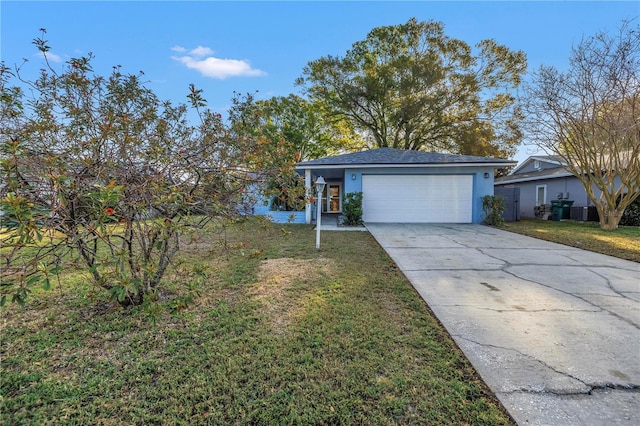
(403, 186)
(265, 207)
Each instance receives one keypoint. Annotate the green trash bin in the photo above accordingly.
(566, 209)
(556, 210)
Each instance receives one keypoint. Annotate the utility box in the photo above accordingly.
(584, 213)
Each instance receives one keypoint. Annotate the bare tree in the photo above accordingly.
(590, 116)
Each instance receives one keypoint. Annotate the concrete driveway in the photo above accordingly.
(553, 330)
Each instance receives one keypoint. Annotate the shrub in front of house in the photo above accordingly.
(493, 206)
(352, 209)
(631, 215)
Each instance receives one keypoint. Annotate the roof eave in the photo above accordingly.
(534, 178)
(416, 165)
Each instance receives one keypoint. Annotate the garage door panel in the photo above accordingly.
(417, 198)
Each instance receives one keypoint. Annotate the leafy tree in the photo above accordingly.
(302, 126)
(100, 170)
(271, 156)
(290, 129)
(410, 86)
(590, 116)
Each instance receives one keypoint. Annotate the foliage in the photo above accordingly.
(278, 130)
(275, 337)
(99, 171)
(503, 171)
(289, 129)
(300, 124)
(352, 208)
(287, 192)
(631, 215)
(410, 86)
(493, 206)
(590, 116)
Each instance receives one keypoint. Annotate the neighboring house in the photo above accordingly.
(541, 179)
(406, 186)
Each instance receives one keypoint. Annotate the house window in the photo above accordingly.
(541, 195)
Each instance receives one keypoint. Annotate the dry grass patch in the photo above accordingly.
(283, 284)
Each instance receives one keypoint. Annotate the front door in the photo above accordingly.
(333, 198)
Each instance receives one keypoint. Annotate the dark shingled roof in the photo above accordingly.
(384, 156)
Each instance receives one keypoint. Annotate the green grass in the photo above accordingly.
(281, 333)
(624, 242)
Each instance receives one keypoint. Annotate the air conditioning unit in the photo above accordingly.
(583, 213)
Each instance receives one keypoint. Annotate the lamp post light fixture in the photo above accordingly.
(320, 183)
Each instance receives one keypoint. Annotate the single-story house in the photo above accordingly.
(543, 178)
(265, 207)
(405, 186)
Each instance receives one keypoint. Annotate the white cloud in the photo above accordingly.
(202, 60)
(178, 49)
(51, 57)
(201, 51)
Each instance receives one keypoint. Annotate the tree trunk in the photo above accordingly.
(132, 299)
(609, 219)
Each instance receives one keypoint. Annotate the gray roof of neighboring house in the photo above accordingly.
(556, 172)
(553, 159)
(390, 156)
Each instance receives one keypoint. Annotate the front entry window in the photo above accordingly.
(332, 200)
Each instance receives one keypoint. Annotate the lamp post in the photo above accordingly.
(319, 190)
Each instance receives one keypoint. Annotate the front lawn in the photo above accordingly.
(280, 333)
(624, 242)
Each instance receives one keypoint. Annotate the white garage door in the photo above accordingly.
(417, 198)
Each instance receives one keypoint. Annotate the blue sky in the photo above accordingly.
(243, 46)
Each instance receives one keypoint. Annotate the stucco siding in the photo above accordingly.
(262, 207)
(481, 186)
(569, 185)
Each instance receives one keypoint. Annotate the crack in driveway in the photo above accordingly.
(577, 296)
(508, 265)
(588, 388)
(545, 325)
